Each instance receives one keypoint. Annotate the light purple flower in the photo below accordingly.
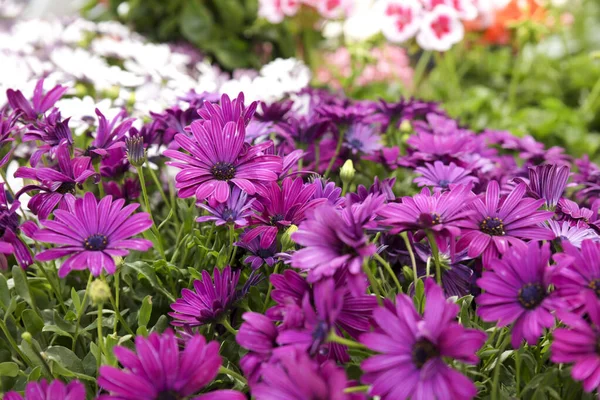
(236, 209)
(56, 389)
(576, 233)
(259, 254)
(10, 227)
(441, 176)
(363, 139)
(40, 102)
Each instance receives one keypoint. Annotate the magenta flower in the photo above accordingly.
(92, 232)
(497, 222)
(440, 176)
(8, 129)
(259, 254)
(109, 135)
(413, 348)
(257, 334)
(55, 390)
(218, 156)
(52, 132)
(209, 301)
(548, 182)
(440, 212)
(516, 292)
(279, 207)
(10, 242)
(236, 209)
(578, 273)
(158, 369)
(228, 110)
(578, 344)
(40, 102)
(55, 183)
(363, 139)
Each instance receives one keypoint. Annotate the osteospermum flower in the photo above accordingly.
(258, 334)
(495, 224)
(92, 232)
(413, 348)
(218, 156)
(259, 254)
(40, 103)
(236, 209)
(363, 139)
(441, 176)
(110, 135)
(209, 301)
(516, 292)
(575, 234)
(578, 273)
(438, 212)
(440, 29)
(577, 343)
(548, 182)
(158, 369)
(10, 242)
(56, 389)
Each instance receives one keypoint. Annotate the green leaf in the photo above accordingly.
(9, 369)
(4, 293)
(20, 280)
(76, 300)
(65, 357)
(57, 330)
(196, 22)
(33, 323)
(145, 311)
(231, 15)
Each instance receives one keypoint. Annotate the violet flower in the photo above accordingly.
(56, 389)
(10, 242)
(237, 209)
(40, 103)
(441, 177)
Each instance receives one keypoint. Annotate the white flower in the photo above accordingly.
(440, 29)
(466, 9)
(363, 23)
(400, 19)
(275, 11)
(82, 111)
(333, 9)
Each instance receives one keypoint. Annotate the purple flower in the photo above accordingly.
(218, 156)
(441, 176)
(329, 191)
(578, 273)
(40, 102)
(576, 233)
(55, 184)
(110, 136)
(495, 224)
(209, 301)
(159, 370)
(547, 182)
(10, 242)
(413, 348)
(257, 334)
(334, 239)
(279, 207)
(259, 254)
(228, 110)
(294, 376)
(516, 292)
(276, 112)
(8, 129)
(570, 211)
(440, 212)
(55, 390)
(236, 209)
(578, 344)
(92, 232)
(384, 187)
(129, 190)
(362, 139)
(53, 131)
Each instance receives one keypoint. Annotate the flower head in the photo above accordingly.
(92, 232)
(40, 103)
(237, 209)
(10, 227)
(209, 301)
(259, 254)
(109, 135)
(516, 292)
(257, 334)
(56, 389)
(441, 176)
(440, 29)
(413, 347)
(575, 234)
(158, 369)
(401, 19)
(363, 139)
(548, 182)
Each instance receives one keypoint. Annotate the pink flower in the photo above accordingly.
(440, 29)
(275, 11)
(401, 19)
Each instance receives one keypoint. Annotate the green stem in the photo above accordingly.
(390, 271)
(80, 312)
(117, 312)
(276, 270)
(227, 371)
(149, 211)
(117, 297)
(100, 337)
(372, 281)
(357, 389)
(231, 240)
(338, 147)
(420, 71)
(55, 289)
(346, 342)
(518, 372)
(412, 256)
(14, 345)
(436, 257)
(496, 381)
(227, 325)
(162, 193)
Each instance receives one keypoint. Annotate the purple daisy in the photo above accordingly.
(547, 182)
(40, 103)
(578, 273)
(8, 129)
(10, 242)
(440, 212)
(279, 207)
(383, 187)
(497, 222)
(413, 349)
(575, 234)
(237, 209)
(228, 110)
(129, 190)
(328, 191)
(218, 156)
(257, 334)
(52, 132)
(516, 292)
(578, 344)
(363, 139)
(209, 301)
(570, 211)
(294, 376)
(92, 232)
(109, 135)
(56, 389)
(259, 254)
(158, 369)
(55, 183)
(441, 176)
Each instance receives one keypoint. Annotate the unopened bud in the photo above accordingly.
(406, 126)
(286, 240)
(99, 291)
(347, 172)
(136, 153)
(26, 336)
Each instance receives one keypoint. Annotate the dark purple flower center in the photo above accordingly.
(95, 242)
(428, 219)
(228, 214)
(168, 395)
(356, 144)
(595, 286)
(423, 351)
(531, 295)
(319, 335)
(223, 171)
(264, 253)
(277, 218)
(8, 221)
(492, 226)
(66, 187)
(444, 183)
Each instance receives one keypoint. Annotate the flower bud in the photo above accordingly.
(99, 291)
(136, 153)
(347, 172)
(26, 336)
(286, 240)
(406, 126)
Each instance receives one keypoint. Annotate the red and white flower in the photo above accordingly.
(440, 29)
(466, 9)
(400, 19)
(275, 11)
(333, 9)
